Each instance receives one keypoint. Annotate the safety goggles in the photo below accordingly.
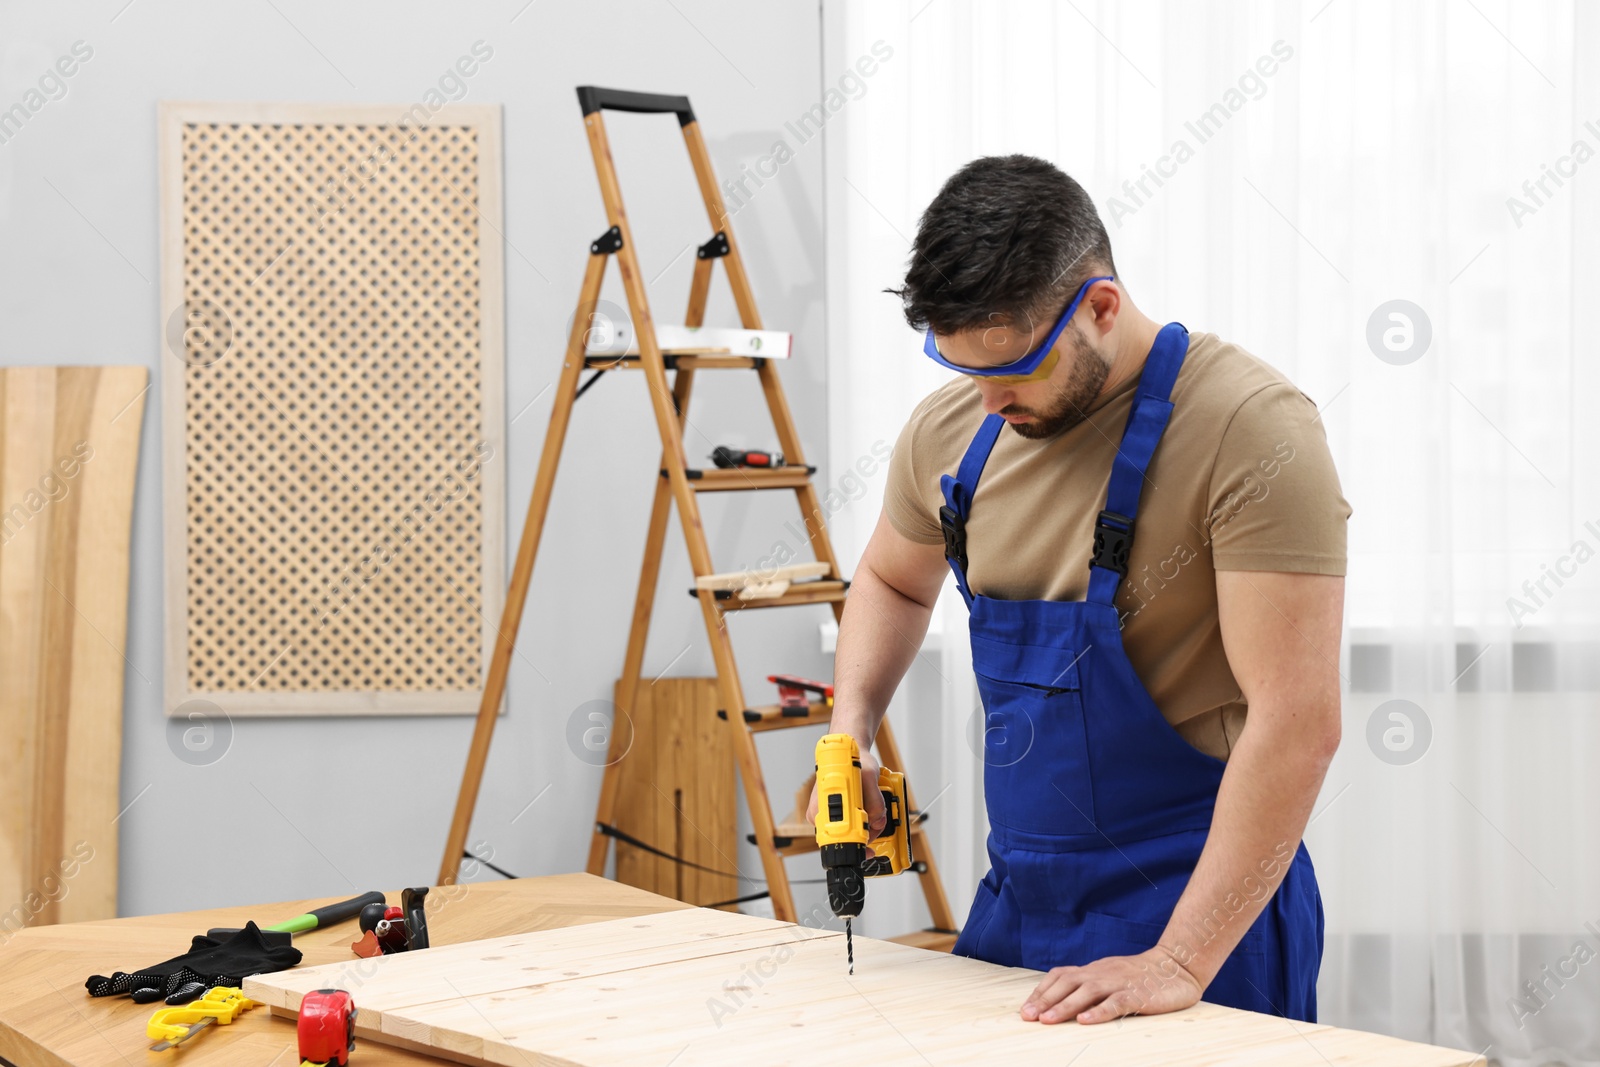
(1035, 365)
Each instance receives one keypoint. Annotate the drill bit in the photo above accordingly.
(849, 947)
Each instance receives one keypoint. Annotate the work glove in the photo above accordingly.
(208, 961)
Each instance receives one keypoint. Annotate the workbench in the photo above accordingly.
(46, 1018)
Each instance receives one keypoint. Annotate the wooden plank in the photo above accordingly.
(741, 579)
(675, 789)
(817, 591)
(703, 766)
(509, 965)
(701, 987)
(69, 449)
(26, 396)
(635, 806)
(47, 1019)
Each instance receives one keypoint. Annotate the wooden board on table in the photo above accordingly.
(676, 790)
(697, 987)
(69, 449)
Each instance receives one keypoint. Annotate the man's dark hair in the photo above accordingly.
(1008, 239)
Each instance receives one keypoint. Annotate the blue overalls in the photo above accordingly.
(1098, 809)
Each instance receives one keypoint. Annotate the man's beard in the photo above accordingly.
(1086, 375)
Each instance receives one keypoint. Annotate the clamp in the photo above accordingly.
(171, 1027)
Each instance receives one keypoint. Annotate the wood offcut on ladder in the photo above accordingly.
(679, 484)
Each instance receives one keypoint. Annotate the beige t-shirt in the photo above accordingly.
(1242, 480)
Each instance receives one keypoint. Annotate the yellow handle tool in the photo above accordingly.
(173, 1026)
(849, 852)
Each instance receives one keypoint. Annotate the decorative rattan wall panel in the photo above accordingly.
(333, 362)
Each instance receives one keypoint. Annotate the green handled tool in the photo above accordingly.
(327, 915)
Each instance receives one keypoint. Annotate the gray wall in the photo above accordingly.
(328, 806)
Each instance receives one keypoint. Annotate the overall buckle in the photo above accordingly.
(955, 536)
(1113, 538)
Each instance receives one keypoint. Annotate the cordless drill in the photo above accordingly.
(849, 852)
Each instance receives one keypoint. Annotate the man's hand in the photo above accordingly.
(1150, 983)
(876, 816)
(891, 599)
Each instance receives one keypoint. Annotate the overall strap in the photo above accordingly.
(1147, 420)
(958, 499)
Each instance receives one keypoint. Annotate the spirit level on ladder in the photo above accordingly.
(679, 484)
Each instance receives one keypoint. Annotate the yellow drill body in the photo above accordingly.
(849, 852)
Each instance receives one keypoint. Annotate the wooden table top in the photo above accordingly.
(702, 988)
(46, 1017)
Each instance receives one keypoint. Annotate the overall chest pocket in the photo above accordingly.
(1035, 748)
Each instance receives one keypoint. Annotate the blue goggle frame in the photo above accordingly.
(1026, 364)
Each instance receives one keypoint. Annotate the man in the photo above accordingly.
(1149, 534)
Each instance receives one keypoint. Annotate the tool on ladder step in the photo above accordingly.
(616, 338)
(670, 359)
(850, 854)
(731, 458)
(792, 694)
(171, 1027)
(759, 585)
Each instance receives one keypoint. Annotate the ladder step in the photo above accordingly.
(755, 585)
(822, 591)
(736, 340)
(792, 839)
(796, 838)
(744, 479)
(772, 717)
(678, 359)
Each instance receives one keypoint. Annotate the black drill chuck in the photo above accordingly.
(847, 888)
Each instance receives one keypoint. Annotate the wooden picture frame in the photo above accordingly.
(332, 391)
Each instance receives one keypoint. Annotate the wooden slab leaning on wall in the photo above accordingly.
(69, 450)
(677, 790)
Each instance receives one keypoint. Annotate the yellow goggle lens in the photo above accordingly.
(1042, 371)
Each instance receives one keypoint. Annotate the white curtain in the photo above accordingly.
(1282, 174)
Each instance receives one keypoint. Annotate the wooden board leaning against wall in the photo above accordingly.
(69, 450)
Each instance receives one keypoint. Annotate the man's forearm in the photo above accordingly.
(1269, 787)
(879, 635)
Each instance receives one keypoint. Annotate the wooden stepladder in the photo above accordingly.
(680, 484)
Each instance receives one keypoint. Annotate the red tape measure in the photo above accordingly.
(327, 1027)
